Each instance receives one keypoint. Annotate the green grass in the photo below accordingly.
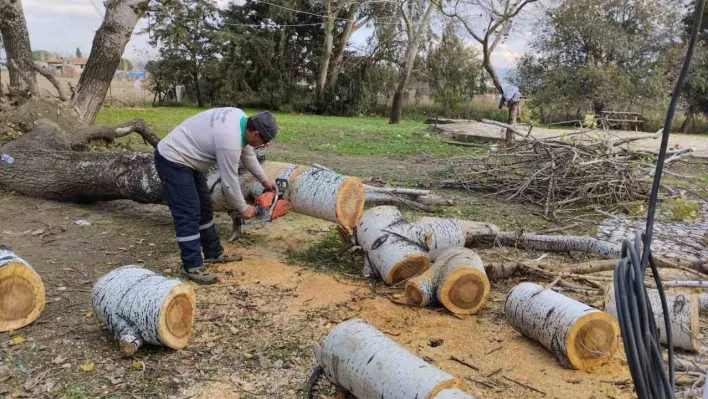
(336, 135)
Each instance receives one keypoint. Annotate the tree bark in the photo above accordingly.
(22, 295)
(414, 40)
(683, 314)
(688, 125)
(108, 46)
(13, 28)
(341, 47)
(139, 306)
(578, 335)
(326, 52)
(366, 363)
(197, 87)
(511, 121)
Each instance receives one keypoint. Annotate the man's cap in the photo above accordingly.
(265, 123)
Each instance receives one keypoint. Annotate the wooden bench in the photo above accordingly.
(608, 119)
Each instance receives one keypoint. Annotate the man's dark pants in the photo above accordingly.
(188, 197)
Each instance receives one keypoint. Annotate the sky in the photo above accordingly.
(63, 25)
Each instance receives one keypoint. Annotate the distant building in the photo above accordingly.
(69, 66)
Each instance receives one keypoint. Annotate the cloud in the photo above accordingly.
(63, 7)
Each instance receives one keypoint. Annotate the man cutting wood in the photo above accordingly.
(222, 136)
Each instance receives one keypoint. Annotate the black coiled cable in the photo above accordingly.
(634, 313)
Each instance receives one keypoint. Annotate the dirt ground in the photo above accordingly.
(255, 329)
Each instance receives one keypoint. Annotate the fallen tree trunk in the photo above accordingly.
(578, 335)
(315, 192)
(21, 292)
(43, 165)
(457, 280)
(363, 361)
(139, 306)
(683, 314)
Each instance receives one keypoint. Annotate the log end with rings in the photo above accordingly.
(22, 296)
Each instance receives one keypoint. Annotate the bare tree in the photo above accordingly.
(416, 19)
(488, 22)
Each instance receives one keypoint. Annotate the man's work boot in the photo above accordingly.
(199, 275)
(221, 258)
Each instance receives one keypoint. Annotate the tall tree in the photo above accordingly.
(13, 29)
(415, 16)
(108, 46)
(185, 29)
(78, 53)
(602, 53)
(488, 22)
(695, 90)
(453, 69)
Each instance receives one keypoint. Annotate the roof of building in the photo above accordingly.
(71, 60)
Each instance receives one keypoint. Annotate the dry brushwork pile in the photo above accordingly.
(563, 173)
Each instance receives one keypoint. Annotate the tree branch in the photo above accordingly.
(48, 75)
(110, 133)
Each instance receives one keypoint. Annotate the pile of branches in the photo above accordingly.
(561, 173)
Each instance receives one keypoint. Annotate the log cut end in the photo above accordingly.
(349, 205)
(410, 266)
(420, 290)
(21, 295)
(465, 291)
(592, 340)
(453, 383)
(177, 316)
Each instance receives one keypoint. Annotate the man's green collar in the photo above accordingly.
(243, 131)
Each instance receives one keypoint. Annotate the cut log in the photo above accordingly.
(457, 280)
(363, 361)
(435, 235)
(578, 335)
(471, 229)
(315, 192)
(393, 256)
(21, 292)
(683, 314)
(139, 306)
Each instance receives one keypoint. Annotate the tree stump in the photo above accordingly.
(363, 361)
(683, 314)
(578, 335)
(139, 306)
(457, 280)
(21, 292)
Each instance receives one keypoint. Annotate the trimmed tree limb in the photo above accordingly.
(547, 243)
(683, 314)
(139, 306)
(363, 361)
(578, 335)
(457, 280)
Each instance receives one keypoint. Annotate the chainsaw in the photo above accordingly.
(271, 204)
